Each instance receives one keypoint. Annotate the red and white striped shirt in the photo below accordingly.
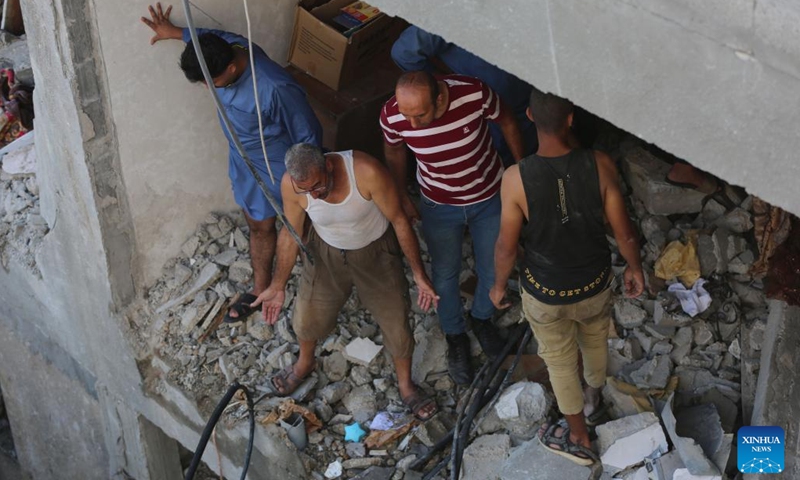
(456, 160)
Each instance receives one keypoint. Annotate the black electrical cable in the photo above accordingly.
(212, 422)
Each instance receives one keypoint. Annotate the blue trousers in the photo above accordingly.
(443, 228)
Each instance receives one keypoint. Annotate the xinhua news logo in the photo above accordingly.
(760, 450)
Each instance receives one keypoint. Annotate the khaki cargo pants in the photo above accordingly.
(377, 273)
(560, 330)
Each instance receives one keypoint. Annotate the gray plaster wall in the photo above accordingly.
(715, 82)
(173, 154)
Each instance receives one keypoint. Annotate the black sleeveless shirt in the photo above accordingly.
(567, 258)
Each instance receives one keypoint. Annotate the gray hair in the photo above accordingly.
(303, 160)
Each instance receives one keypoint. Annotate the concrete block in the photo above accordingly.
(335, 366)
(482, 457)
(628, 314)
(532, 460)
(645, 173)
(362, 351)
(430, 353)
(205, 278)
(627, 441)
(523, 400)
(361, 404)
(653, 374)
(621, 404)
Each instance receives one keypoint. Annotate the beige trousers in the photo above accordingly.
(560, 330)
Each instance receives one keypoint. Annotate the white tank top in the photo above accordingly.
(352, 224)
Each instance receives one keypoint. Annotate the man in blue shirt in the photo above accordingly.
(286, 117)
(417, 49)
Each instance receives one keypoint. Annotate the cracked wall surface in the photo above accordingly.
(712, 82)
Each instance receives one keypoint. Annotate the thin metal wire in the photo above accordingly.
(255, 90)
(234, 137)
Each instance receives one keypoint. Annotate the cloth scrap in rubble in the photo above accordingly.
(694, 300)
(386, 420)
(679, 260)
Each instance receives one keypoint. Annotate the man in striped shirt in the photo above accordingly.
(444, 122)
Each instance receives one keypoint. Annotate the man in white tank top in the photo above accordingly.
(351, 200)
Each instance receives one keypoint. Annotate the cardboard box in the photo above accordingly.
(320, 50)
(349, 117)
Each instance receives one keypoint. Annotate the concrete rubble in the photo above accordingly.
(22, 227)
(655, 345)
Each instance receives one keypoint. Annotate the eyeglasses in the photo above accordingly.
(318, 188)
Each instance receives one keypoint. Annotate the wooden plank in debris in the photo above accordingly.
(216, 319)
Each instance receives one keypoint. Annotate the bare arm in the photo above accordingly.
(617, 215)
(160, 24)
(397, 160)
(374, 180)
(286, 254)
(505, 250)
(511, 133)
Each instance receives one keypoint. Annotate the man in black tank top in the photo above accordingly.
(567, 195)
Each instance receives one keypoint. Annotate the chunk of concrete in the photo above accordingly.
(240, 271)
(430, 354)
(335, 366)
(532, 460)
(690, 451)
(362, 351)
(20, 163)
(361, 404)
(208, 275)
(628, 314)
(334, 392)
(523, 399)
(625, 442)
(645, 174)
(684, 474)
(375, 473)
(433, 430)
(737, 220)
(482, 457)
(620, 404)
(653, 374)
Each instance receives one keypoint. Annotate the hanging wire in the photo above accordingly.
(234, 137)
(255, 89)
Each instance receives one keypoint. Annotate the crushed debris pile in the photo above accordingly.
(22, 226)
(691, 345)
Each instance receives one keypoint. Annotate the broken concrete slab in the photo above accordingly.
(628, 314)
(625, 442)
(208, 275)
(526, 400)
(737, 220)
(482, 457)
(684, 474)
(430, 353)
(335, 366)
(434, 429)
(690, 451)
(20, 163)
(654, 373)
(362, 351)
(645, 174)
(240, 271)
(620, 404)
(532, 460)
(361, 403)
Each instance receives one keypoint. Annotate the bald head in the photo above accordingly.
(418, 96)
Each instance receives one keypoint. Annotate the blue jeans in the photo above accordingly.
(443, 228)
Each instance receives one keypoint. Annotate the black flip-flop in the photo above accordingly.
(242, 308)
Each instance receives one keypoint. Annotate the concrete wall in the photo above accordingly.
(173, 154)
(778, 392)
(712, 81)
